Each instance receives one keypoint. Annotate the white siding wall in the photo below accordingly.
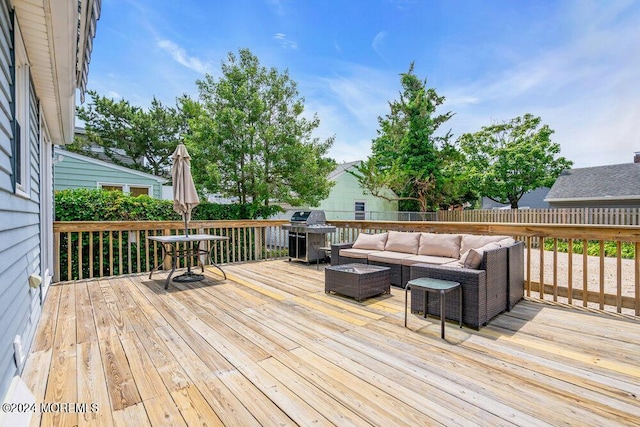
(19, 220)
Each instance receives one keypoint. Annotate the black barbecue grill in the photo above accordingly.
(307, 233)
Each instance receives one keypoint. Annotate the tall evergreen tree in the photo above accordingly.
(408, 156)
(129, 135)
(251, 140)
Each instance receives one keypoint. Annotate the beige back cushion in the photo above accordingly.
(474, 257)
(402, 241)
(374, 242)
(471, 241)
(507, 242)
(446, 245)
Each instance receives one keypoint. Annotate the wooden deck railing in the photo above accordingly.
(97, 249)
(85, 249)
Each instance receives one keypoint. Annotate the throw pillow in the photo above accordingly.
(474, 257)
(374, 242)
(471, 241)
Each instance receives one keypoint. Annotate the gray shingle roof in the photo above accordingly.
(342, 168)
(608, 182)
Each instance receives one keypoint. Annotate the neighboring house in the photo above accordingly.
(534, 199)
(347, 199)
(45, 47)
(611, 186)
(73, 170)
(96, 151)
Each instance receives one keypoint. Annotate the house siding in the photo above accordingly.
(19, 221)
(340, 205)
(77, 173)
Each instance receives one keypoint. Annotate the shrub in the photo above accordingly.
(84, 204)
(593, 248)
(101, 205)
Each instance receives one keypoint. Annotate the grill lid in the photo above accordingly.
(309, 217)
(300, 216)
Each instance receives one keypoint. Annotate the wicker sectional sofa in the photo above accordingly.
(490, 268)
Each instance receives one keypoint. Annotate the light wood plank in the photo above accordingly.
(85, 325)
(47, 325)
(92, 385)
(268, 347)
(162, 411)
(35, 375)
(148, 381)
(134, 415)
(194, 408)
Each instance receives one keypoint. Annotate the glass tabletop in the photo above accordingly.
(358, 268)
(434, 284)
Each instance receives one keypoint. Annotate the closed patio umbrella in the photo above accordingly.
(185, 198)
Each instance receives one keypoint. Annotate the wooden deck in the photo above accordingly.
(269, 347)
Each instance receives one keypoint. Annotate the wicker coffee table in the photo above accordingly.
(359, 281)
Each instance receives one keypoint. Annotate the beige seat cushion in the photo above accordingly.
(443, 245)
(474, 257)
(388, 257)
(428, 259)
(356, 253)
(373, 242)
(457, 263)
(402, 241)
(470, 241)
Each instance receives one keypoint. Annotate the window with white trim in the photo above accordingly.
(133, 190)
(360, 210)
(21, 136)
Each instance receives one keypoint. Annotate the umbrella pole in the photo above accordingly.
(186, 233)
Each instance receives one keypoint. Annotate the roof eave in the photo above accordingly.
(64, 152)
(52, 31)
(591, 199)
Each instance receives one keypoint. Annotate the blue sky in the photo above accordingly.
(574, 63)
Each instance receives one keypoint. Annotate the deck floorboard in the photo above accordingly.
(267, 346)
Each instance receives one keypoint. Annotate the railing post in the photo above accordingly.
(259, 242)
(56, 257)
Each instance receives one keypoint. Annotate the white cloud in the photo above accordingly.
(586, 89)
(349, 144)
(337, 47)
(348, 105)
(113, 94)
(376, 44)
(276, 6)
(180, 56)
(285, 42)
(363, 96)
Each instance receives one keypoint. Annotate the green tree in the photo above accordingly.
(131, 136)
(505, 161)
(408, 157)
(250, 139)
